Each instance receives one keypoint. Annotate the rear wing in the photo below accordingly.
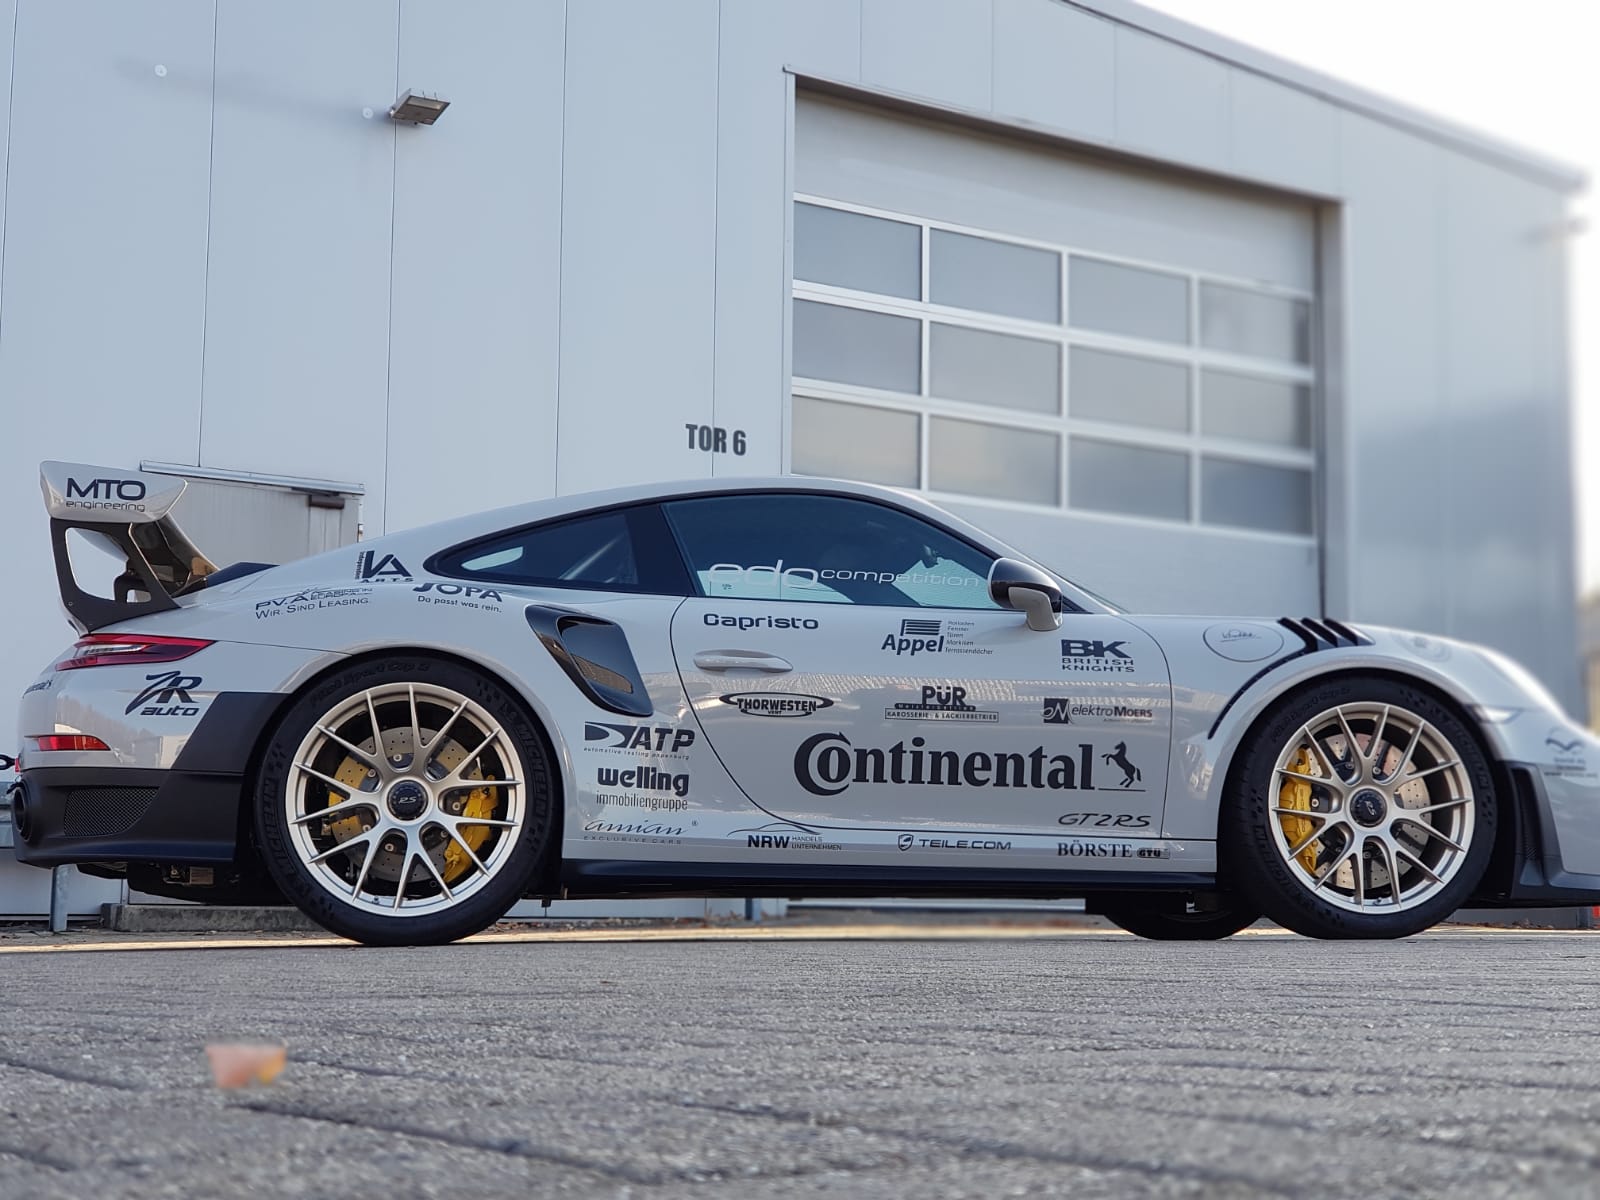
(126, 513)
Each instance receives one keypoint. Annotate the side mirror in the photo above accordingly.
(1013, 584)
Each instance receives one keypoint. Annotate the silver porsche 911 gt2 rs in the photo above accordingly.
(775, 687)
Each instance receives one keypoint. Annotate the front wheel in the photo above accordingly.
(405, 802)
(1360, 807)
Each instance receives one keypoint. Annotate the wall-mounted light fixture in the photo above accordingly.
(413, 108)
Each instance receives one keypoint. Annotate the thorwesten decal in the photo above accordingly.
(775, 704)
(825, 764)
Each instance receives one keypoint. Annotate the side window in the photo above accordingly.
(583, 552)
(825, 550)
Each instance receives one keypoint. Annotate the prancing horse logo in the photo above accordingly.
(1130, 773)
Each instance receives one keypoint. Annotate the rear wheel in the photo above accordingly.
(1359, 807)
(405, 802)
(1178, 924)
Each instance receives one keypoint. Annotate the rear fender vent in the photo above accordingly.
(1323, 633)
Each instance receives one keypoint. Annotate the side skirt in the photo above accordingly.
(589, 879)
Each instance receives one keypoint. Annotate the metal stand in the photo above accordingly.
(58, 899)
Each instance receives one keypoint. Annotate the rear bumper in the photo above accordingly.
(94, 815)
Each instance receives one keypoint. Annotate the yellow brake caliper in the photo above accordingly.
(1296, 794)
(351, 773)
(480, 803)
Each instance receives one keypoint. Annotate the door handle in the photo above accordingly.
(741, 660)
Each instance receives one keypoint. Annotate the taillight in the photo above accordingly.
(129, 649)
(67, 741)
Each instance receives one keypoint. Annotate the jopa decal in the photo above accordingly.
(388, 569)
(657, 739)
(167, 696)
(123, 495)
(775, 704)
(1083, 655)
(826, 764)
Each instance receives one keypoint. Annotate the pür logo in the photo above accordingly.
(167, 696)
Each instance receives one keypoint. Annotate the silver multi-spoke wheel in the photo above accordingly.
(405, 799)
(1372, 808)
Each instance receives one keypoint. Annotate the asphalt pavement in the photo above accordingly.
(925, 1063)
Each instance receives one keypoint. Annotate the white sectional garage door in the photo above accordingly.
(1111, 366)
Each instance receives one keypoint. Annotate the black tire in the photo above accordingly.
(1177, 925)
(510, 856)
(1298, 896)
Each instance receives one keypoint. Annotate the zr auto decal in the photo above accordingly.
(167, 696)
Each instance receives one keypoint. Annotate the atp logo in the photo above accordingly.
(167, 696)
(387, 569)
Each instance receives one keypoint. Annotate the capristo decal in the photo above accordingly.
(825, 764)
(1096, 656)
(388, 569)
(763, 622)
(312, 599)
(167, 696)
(948, 703)
(644, 739)
(775, 704)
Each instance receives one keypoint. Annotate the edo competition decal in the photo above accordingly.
(312, 599)
(388, 569)
(1063, 710)
(763, 622)
(167, 696)
(948, 703)
(641, 739)
(458, 595)
(1095, 656)
(826, 764)
(775, 704)
(783, 835)
(729, 578)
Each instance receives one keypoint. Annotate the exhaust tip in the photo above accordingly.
(21, 817)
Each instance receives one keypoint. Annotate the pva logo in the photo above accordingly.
(106, 489)
(167, 696)
(659, 739)
(387, 569)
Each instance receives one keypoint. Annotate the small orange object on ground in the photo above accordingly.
(236, 1064)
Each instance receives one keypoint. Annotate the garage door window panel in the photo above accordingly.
(1251, 408)
(1131, 301)
(982, 367)
(1240, 321)
(994, 277)
(1248, 495)
(857, 346)
(1134, 481)
(1128, 390)
(852, 250)
(825, 549)
(855, 441)
(1003, 463)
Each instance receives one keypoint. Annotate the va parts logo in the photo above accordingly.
(646, 739)
(775, 704)
(167, 696)
(388, 569)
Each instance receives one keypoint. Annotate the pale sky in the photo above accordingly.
(1527, 72)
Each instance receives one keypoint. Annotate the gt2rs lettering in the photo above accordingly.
(1096, 820)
